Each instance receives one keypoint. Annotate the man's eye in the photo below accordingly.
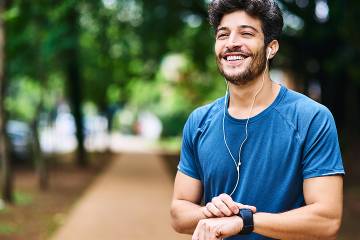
(248, 34)
(222, 36)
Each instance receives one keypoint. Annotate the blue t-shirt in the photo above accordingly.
(293, 139)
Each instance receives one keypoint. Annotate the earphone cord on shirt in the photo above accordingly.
(237, 164)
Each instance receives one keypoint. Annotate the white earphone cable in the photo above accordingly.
(238, 163)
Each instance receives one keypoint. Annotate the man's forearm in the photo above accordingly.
(185, 216)
(309, 222)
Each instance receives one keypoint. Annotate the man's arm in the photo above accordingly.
(186, 211)
(319, 219)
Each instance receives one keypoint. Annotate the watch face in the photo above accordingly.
(246, 210)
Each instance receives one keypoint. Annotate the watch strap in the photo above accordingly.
(248, 222)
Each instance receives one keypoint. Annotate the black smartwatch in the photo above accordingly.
(248, 222)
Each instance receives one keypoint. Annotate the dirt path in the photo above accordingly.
(129, 201)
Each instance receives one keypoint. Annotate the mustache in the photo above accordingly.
(237, 50)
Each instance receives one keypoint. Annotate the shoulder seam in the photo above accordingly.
(201, 125)
(216, 109)
(298, 136)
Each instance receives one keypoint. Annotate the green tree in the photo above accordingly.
(74, 77)
(7, 179)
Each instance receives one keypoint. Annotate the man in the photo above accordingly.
(264, 161)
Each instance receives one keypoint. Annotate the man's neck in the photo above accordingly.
(242, 97)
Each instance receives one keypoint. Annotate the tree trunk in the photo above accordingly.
(334, 86)
(7, 180)
(39, 159)
(74, 82)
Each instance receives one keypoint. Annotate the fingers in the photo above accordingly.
(217, 228)
(232, 206)
(207, 213)
(202, 232)
(209, 235)
(206, 230)
(215, 211)
(224, 204)
(195, 235)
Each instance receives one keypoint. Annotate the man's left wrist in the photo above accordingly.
(240, 223)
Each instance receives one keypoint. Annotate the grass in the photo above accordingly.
(170, 144)
(23, 198)
(55, 222)
(7, 229)
(36, 214)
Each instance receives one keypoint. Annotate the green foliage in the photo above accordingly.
(123, 45)
(11, 13)
(170, 144)
(23, 198)
(143, 94)
(23, 95)
(7, 228)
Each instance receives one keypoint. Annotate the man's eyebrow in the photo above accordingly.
(248, 26)
(241, 26)
(221, 28)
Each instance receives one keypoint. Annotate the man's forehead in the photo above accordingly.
(239, 19)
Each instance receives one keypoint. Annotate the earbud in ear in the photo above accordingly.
(268, 53)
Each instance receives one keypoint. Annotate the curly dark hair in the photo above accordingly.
(267, 11)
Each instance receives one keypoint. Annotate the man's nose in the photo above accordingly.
(234, 41)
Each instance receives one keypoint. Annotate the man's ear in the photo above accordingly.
(273, 47)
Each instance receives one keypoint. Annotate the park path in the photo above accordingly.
(129, 201)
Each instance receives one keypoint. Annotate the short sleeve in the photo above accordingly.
(187, 164)
(322, 156)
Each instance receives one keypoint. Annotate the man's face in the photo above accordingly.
(239, 48)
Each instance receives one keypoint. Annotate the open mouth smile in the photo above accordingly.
(235, 57)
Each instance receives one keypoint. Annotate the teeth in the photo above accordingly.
(234, 58)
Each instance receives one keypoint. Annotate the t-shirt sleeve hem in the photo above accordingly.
(188, 172)
(323, 173)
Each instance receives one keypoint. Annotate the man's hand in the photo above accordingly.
(224, 206)
(217, 228)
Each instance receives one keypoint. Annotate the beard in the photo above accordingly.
(253, 70)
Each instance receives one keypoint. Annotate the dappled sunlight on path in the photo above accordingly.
(129, 201)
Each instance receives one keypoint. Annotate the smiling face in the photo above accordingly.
(239, 48)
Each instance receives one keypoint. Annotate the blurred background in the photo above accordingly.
(82, 82)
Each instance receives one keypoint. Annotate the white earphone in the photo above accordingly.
(227, 94)
(269, 53)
